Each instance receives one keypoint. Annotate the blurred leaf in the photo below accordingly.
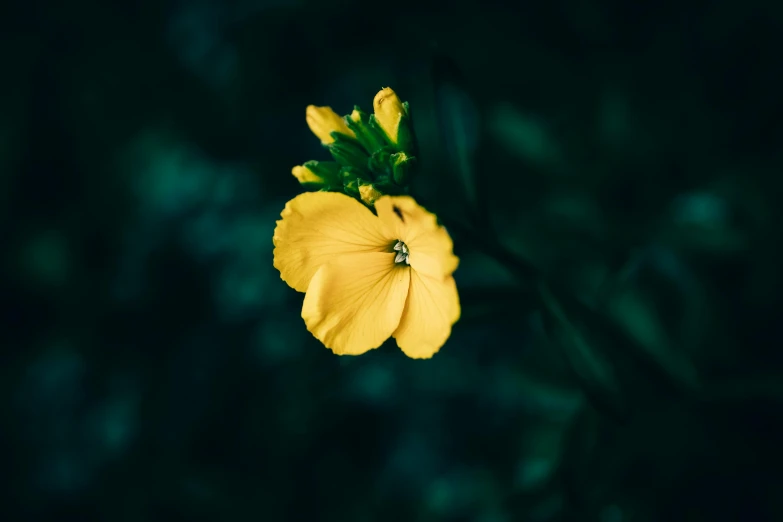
(583, 353)
(524, 136)
(661, 305)
(702, 222)
(637, 317)
(458, 119)
(616, 369)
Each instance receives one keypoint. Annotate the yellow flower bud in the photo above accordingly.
(323, 121)
(305, 175)
(355, 116)
(369, 194)
(388, 112)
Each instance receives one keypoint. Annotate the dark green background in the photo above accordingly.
(611, 175)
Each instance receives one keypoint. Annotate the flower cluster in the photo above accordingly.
(372, 263)
(373, 154)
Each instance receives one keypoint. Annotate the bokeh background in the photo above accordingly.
(610, 172)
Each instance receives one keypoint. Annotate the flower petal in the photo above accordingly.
(388, 112)
(319, 226)
(323, 121)
(429, 244)
(355, 302)
(430, 311)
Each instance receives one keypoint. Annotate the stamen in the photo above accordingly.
(402, 253)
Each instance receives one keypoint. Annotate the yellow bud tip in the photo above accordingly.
(323, 121)
(355, 116)
(400, 158)
(388, 111)
(368, 194)
(305, 175)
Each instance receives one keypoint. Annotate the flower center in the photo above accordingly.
(402, 253)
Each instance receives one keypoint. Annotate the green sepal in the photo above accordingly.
(380, 162)
(332, 188)
(349, 174)
(388, 188)
(352, 188)
(370, 138)
(351, 178)
(409, 142)
(402, 168)
(376, 127)
(347, 152)
(405, 139)
(348, 155)
(328, 171)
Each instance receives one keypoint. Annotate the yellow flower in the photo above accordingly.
(369, 277)
(388, 112)
(323, 121)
